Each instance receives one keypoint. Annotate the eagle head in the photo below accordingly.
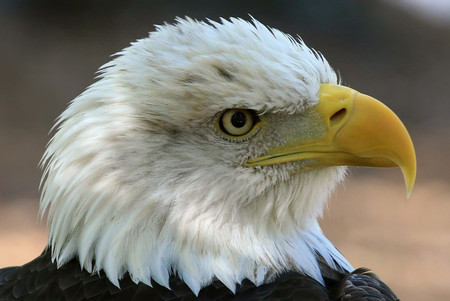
(208, 150)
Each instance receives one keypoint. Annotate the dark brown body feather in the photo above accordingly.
(41, 280)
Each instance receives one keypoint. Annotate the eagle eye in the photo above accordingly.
(237, 122)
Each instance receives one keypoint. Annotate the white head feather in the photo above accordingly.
(137, 178)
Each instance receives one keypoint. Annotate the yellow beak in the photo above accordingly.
(358, 130)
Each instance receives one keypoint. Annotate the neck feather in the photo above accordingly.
(197, 234)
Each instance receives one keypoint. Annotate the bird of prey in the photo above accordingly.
(197, 166)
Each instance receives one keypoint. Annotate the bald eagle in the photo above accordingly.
(197, 166)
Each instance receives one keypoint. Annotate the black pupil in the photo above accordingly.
(238, 119)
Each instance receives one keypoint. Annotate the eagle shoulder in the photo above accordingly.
(362, 284)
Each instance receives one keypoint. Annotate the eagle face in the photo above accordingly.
(207, 150)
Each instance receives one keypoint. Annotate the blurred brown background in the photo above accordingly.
(399, 54)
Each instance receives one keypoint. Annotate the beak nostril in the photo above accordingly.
(337, 117)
